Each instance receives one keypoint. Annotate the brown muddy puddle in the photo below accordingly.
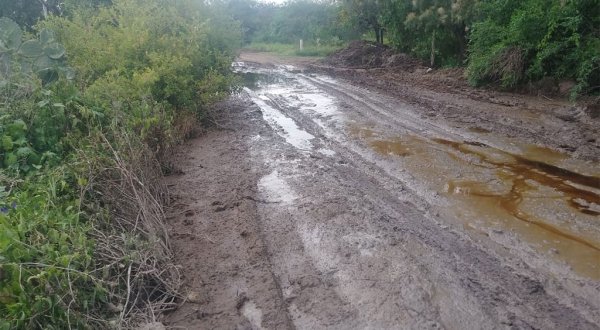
(556, 210)
(398, 148)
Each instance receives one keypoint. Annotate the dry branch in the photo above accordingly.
(132, 242)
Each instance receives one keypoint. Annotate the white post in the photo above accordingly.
(301, 44)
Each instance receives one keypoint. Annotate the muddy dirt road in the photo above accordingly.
(322, 204)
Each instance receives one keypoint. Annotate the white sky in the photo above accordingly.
(273, 1)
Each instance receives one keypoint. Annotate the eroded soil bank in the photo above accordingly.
(326, 204)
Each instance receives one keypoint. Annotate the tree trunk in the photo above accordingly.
(44, 8)
(432, 60)
(378, 34)
(461, 35)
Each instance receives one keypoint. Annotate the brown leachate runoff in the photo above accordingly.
(525, 169)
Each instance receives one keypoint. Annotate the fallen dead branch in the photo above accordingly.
(132, 242)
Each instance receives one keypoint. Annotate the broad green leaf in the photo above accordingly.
(26, 67)
(10, 159)
(7, 143)
(43, 63)
(31, 48)
(54, 50)
(46, 36)
(10, 33)
(21, 141)
(17, 129)
(48, 75)
(24, 152)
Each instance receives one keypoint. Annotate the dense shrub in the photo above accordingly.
(503, 42)
(46, 255)
(316, 22)
(522, 41)
(87, 106)
(150, 52)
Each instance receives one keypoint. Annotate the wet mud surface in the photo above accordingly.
(325, 204)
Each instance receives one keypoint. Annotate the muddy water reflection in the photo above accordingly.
(549, 175)
(255, 81)
(556, 210)
(397, 148)
(543, 154)
(362, 132)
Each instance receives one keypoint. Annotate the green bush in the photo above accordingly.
(146, 52)
(75, 148)
(287, 23)
(523, 41)
(34, 120)
(46, 255)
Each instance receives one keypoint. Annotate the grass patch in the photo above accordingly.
(310, 50)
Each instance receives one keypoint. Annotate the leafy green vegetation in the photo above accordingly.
(279, 28)
(501, 42)
(89, 105)
(314, 22)
(519, 41)
(504, 42)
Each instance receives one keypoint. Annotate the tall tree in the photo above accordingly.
(431, 28)
(367, 15)
(253, 16)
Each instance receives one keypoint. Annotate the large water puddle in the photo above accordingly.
(278, 92)
(257, 80)
(539, 194)
(282, 124)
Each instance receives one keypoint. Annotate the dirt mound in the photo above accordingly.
(368, 55)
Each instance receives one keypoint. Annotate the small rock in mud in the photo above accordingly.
(194, 297)
(241, 300)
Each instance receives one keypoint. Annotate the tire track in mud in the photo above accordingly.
(562, 125)
(403, 119)
(500, 291)
(215, 231)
